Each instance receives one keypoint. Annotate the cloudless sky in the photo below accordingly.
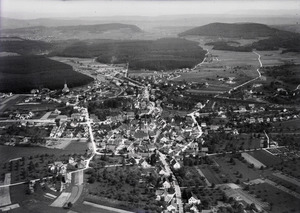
(30, 9)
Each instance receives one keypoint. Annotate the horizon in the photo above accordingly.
(23, 9)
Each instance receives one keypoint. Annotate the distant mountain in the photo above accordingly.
(112, 30)
(235, 30)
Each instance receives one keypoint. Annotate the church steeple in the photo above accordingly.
(65, 89)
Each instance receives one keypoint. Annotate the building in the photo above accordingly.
(65, 89)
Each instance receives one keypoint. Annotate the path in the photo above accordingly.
(4, 191)
(287, 178)
(205, 179)
(105, 207)
(247, 82)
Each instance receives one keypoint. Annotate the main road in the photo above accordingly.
(247, 82)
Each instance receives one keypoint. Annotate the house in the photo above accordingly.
(203, 125)
(194, 200)
(252, 120)
(174, 163)
(194, 209)
(172, 207)
(204, 149)
(235, 132)
(166, 185)
(144, 164)
(214, 127)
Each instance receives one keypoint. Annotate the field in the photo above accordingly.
(265, 158)
(20, 74)
(280, 201)
(273, 58)
(11, 152)
(223, 64)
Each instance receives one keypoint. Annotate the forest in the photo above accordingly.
(20, 74)
(161, 54)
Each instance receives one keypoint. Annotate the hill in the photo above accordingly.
(24, 46)
(269, 38)
(82, 32)
(20, 74)
(161, 54)
(235, 30)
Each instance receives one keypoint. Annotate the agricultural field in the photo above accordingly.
(274, 58)
(282, 180)
(234, 169)
(280, 202)
(266, 158)
(212, 174)
(10, 152)
(241, 66)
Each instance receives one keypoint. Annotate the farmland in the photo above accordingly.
(223, 65)
(11, 152)
(266, 158)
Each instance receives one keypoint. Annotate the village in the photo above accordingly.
(167, 144)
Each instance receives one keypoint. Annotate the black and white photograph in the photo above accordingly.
(150, 106)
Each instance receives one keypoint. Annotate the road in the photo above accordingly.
(254, 79)
(162, 158)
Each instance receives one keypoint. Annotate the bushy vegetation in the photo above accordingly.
(222, 45)
(20, 74)
(162, 54)
(287, 73)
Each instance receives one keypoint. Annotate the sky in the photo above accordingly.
(31, 9)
